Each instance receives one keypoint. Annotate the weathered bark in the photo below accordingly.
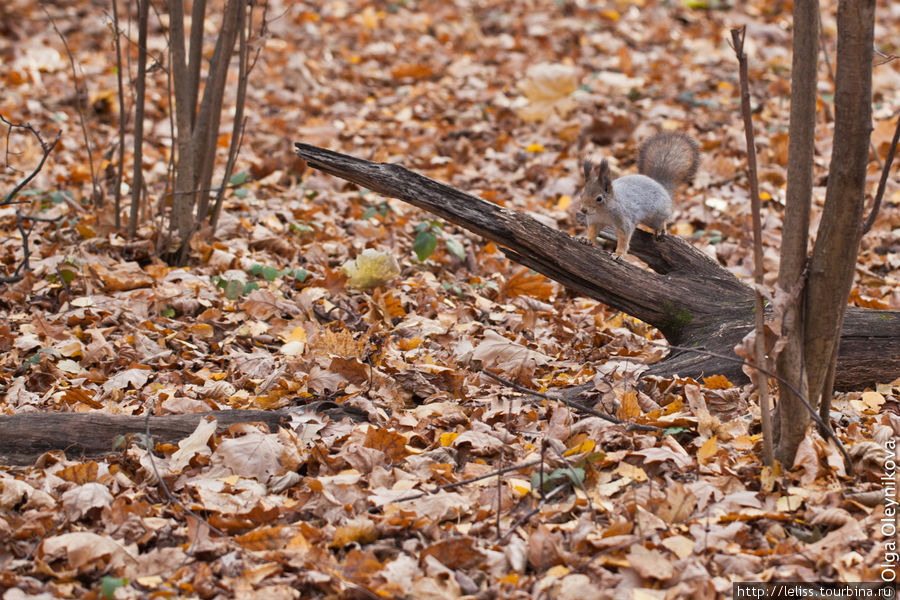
(793, 417)
(833, 261)
(687, 296)
(26, 436)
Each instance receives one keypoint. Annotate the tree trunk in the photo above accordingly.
(792, 416)
(837, 243)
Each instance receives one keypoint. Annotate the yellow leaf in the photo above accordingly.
(520, 486)
(388, 441)
(370, 269)
(412, 71)
(585, 446)
(558, 571)
(369, 18)
(631, 472)
(629, 409)
(610, 14)
(410, 344)
(717, 382)
(526, 282)
(708, 450)
(564, 203)
(448, 438)
(360, 530)
(298, 334)
(534, 148)
(203, 330)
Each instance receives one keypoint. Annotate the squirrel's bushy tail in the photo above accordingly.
(670, 158)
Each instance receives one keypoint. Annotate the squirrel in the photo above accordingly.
(664, 161)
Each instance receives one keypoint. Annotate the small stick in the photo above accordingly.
(876, 205)
(762, 383)
(573, 404)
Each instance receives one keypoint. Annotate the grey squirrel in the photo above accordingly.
(664, 161)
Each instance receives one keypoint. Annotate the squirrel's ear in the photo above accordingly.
(588, 165)
(603, 176)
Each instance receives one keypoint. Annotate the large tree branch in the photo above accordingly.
(692, 300)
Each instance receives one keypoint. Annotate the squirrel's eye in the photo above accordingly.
(599, 199)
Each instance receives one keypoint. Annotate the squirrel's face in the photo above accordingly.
(597, 190)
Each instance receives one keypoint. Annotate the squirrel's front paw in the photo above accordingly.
(585, 240)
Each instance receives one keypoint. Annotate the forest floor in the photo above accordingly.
(397, 490)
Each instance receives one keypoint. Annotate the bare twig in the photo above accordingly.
(46, 149)
(544, 499)
(887, 57)
(80, 90)
(882, 183)
(455, 484)
(762, 384)
(572, 404)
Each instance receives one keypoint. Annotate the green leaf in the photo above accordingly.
(575, 475)
(32, 360)
(255, 269)
(675, 430)
(109, 585)
(68, 275)
(423, 226)
(270, 273)
(456, 248)
(233, 289)
(424, 245)
(241, 192)
(301, 228)
(370, 212)
(300, 274)
(238, 178)
(168, 312)
(250, 286)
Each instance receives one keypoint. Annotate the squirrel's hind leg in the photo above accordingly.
(623, 240)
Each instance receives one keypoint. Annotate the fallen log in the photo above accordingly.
(25, 436)
(688, 297)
